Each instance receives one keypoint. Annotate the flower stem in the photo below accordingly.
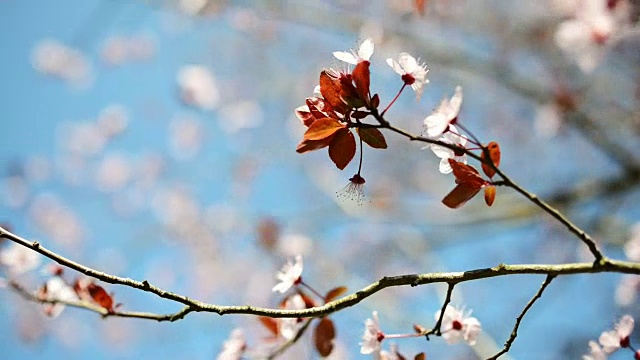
(314, 291)
(394, 99)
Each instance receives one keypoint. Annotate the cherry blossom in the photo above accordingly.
(617, 338)
(457, 324)
(19, 259)
(372, 336)
(289, 275)
(413, 73)
(627, 290)
(363, 54)
(288, 327)
(392, 354)
(452, 137)
(354, 190)
(234, 346)
(595, 352)
(594, 24)
(445, 114)
(632, 247)
(56, 289)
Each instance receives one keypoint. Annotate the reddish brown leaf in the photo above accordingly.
(268, 231)
(270, 324)
(489, 194)
(420, 356)
(349, 94)
(373, 137)
(308, 301)
(324, 334)
(310, 145)
(494, 154)
(330, 89)
(361, 77)
(322, 129)
(342, 148)
(335, 293)
(100, 296)
(460, 195)
(466, 174)
(419, 6)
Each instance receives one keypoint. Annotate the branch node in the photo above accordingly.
(35, 244)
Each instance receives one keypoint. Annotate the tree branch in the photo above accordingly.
(605, 265)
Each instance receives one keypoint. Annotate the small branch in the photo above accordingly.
(573, 228)
(436, 329)
(282, 348)
(87, 305)
(514, 332)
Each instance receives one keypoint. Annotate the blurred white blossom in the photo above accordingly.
(198, 87)
(18, 259)
(51, 57)
(289, 275)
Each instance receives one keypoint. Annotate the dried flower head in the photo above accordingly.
(354, 190)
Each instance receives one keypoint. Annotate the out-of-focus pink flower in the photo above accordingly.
(459, 325)
(56, 289)
(632, 247)
(445, 114)
(291, 274)
(595, 352)
(19, 259)
(617, 338)
(288, 327)
(234, 346)
(627, 290)
(372, 336)
(198, 87)
(54, 58)
(595, 22)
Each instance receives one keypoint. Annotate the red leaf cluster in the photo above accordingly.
(328, 118)
(469, 182)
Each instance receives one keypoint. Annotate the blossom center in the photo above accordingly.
(456, 325)
(624, 342)
(380, 336)
(408, 79)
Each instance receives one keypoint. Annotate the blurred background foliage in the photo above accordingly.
(156, 140)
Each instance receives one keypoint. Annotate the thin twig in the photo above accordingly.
(87, 305)
(514, 332)
(437, 327)
(507, 181)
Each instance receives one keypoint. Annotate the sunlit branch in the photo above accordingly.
(605, 265)
(514, 332)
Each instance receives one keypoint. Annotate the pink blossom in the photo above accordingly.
(363, 54)
(445, 114)
(56, 289)
(288, 327)
(595, 352)
(372, 336)
(19, 259)
(454, 138)
(412, 72)
(233, 347)
(457, 324)
(291, 274)
(617, 338)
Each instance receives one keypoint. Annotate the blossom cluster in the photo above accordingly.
(613, 340)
